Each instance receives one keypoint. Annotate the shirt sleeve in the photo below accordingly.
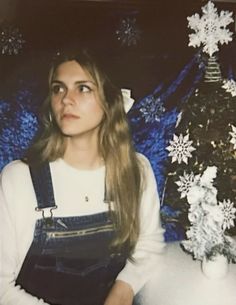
(10, 294)
(150, 244)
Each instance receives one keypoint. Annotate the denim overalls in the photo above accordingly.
(70, 261)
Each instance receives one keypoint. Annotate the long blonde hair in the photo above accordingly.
(123, 169)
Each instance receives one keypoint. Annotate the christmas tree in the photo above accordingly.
(205, 133)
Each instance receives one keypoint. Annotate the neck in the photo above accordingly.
(82, 154)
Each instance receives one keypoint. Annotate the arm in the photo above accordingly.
(149, 246)
(9, 293)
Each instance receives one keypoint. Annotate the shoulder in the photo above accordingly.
(142, 158)
(148, 175)
(14, 170)
(144, 162)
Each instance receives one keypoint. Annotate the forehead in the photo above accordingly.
(71, 70)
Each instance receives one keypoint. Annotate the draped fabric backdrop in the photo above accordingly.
(159, 68)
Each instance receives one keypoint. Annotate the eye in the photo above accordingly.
(57, 89)
(84, 88)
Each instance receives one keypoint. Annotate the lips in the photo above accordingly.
(69, 116)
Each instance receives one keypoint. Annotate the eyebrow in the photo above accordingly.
(55, 81)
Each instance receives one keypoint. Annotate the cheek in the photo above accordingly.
(98, 111)
(98, 107)
(93, 107)
(55, 106)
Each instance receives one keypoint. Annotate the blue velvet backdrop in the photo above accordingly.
(152, 122)
(161, 71)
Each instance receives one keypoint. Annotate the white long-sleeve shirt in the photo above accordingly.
(71, 187)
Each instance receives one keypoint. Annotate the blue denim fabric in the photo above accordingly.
(70, 261)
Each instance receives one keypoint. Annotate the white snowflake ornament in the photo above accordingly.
(11, 41)
(228, 210)
(180, 148)
(152, 109)
(233, 134)
(230, 86)
(128, 32)
(184, 183)
(210, 29)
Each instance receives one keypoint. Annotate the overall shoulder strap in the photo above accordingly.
(42, 182)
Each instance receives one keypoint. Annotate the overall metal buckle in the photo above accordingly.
(48, 219)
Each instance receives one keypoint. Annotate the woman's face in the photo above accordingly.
(75, 101)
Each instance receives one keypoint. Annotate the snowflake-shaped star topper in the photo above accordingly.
(128, 32)
(180, 148)
(210, 29)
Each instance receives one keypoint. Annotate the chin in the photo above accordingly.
(73, 133)
(68, 132)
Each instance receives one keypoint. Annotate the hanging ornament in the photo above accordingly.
(152, 109)
(210, 28)
(180, 148)
(184, 183)
(229, 213)
(11, 40)
(128, 33)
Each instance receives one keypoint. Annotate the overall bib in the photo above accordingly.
(70, 261)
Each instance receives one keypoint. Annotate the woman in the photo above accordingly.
(80, 214)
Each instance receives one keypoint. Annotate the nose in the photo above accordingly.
(68, 98)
